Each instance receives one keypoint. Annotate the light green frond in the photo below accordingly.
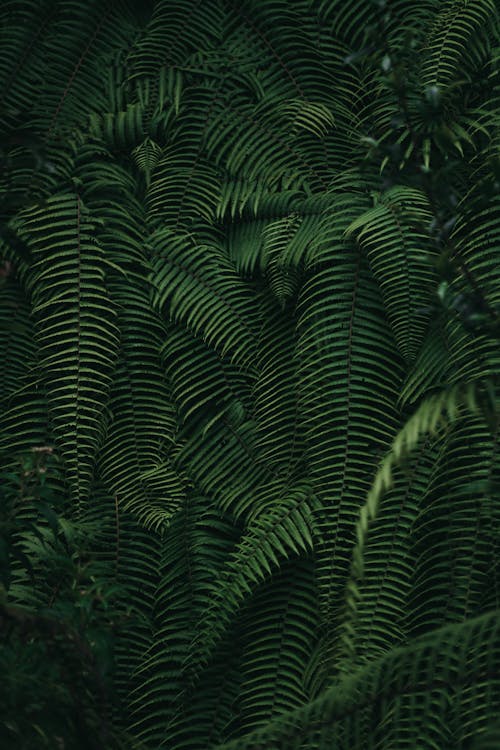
(383, 593)
(344, 203)
(250, 218)
(276, 535)
(200, 386)
(147, 155)
(314, 117)
(222, 458)
(251, 141)
(197, 286)
(432, 416)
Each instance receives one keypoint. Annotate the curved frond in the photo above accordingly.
(348, 384)
(195, 547)
(275, 536)
(185, 271)
(456, 40)
(16, 335)
(435, 413)
(277, 637)
(395, 236)
(136, 462)
(390, 698)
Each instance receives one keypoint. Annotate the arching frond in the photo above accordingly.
(433, 414)
(182, 266)
(274, 536)
(346, 372)
(136, 462)
(395, 235)
(456, 40)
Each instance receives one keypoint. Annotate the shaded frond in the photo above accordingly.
(456, 40)
(434, 414)
(348, 380)
(275, 536)
(395, 235)
(75, 328)
(409, 690)
(136, 461)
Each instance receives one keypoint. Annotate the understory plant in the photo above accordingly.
(249, 327)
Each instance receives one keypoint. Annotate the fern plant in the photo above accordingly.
(250, 300)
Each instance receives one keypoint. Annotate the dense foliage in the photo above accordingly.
(249, 324)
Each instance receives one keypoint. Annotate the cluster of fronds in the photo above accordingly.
(250, 299)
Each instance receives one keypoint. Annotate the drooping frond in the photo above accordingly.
(433, 416)
(456, 41)
(272, 538)
(395, 235)
(194, 550)
(348, 382)
(223, 314)
(136, 462)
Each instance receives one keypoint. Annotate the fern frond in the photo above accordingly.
(348, 380)
(172, 33)
(194, 550)
(147, 155)
(283, 279)
(276, 535)
(395, 236)
(185, 271)
(456, 40)
(278, 627)
(180, 172)
(434, 414)
(242, 242)
(136, 461)
(410, 689)
(75, 327)
(16, 336)
(384, 591)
